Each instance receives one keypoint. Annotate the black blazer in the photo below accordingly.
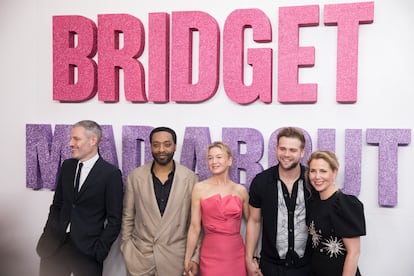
(95, 215)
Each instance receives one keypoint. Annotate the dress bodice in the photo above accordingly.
(221, 214)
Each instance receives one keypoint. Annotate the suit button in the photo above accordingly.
(73, 205)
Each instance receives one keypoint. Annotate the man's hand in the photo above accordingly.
(191, 269)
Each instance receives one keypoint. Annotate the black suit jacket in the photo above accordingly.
(94, 216)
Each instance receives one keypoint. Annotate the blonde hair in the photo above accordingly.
(225, 148)
(328, 156)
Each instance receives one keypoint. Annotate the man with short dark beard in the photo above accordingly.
(278, 199)
(156, 213)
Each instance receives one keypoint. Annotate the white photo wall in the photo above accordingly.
(340, 70)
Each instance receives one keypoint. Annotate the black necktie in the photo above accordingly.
(77, 179)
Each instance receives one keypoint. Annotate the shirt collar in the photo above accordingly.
(89, 163)
(171, 172)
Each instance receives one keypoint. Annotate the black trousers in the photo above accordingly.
(69, 259)
(269, 269)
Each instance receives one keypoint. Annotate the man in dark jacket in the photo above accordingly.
(278, 201)
(86, 212)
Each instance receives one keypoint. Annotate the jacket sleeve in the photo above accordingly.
(53, 232)
(128, 213)
(113, 205)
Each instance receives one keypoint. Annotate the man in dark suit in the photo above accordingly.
(86, 212)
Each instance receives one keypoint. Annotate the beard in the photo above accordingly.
(290, 167)
(163, 159)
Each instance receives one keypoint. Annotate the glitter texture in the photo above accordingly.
(247, 146)
(158, 57)
(326, 139)
(45, 153)
(388, 141)
(107, 148)
(67, 56)
(134, 139)
(112, 57)
(260, 59)
(353, 157)
(291, 56)
(183, 88)
(194, 150)
(348, 17)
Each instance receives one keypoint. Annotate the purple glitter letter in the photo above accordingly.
(388, 141)
(353, 156)
(45, 153)
(249, 161)
(133, 139)
(194, 150)
(107, 149)
(326, 139)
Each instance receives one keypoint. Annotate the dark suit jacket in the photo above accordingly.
(95, 215)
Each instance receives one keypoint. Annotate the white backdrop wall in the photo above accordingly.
(385, 96)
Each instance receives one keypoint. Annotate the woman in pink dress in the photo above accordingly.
(218, 205)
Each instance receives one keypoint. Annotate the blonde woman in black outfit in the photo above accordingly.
(336, 220)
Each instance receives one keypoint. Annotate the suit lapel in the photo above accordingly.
(148, 198)
(71, 183)
(93, 174)
(174, 204)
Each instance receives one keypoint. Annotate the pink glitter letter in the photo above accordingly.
(348, 17)
(111, 57)
(388, 141)
(259, 59)
(182, 87)
(69, 86)
(291, 56)
(159, 57)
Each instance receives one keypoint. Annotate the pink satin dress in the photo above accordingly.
(222, 249)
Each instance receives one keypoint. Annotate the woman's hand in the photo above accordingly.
(253, 268)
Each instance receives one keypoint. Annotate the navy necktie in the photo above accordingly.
(77, 179)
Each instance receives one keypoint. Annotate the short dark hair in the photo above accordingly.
(292, 132)
(166, 129)
(91, 126)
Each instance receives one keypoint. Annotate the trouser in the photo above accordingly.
(69, 259)
(269, 269)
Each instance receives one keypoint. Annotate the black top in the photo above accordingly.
(264, 195)
(162, 190)
(330, 220)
